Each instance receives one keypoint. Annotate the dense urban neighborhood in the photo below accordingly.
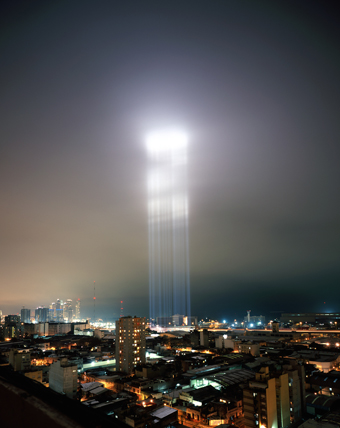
(284, 374)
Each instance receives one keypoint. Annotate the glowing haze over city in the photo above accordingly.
(192, 137)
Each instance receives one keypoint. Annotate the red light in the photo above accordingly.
(94, 298)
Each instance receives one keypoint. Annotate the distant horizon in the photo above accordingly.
(269, 316)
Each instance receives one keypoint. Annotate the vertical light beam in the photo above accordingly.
(169, 272)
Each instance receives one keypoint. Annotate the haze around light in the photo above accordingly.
(251, 88)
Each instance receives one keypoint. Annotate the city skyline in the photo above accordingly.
(58, 311)
(255, 87)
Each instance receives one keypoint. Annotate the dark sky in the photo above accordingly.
(254, 84)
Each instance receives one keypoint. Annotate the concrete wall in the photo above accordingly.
(271, 404)
(21, 410)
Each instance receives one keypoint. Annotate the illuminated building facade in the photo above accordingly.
(59, 311)
(63, 377)
(52, 312)
(77, 314)
(266, 401)
(313, 318)
(68, 310)
(13, 327)
(254, 320)
(169, 282)
(41, 314)
(56, 312)
(130, 343)
(25, 315)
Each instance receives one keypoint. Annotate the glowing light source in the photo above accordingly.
(165, 141)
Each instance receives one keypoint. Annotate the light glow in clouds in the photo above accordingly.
(166, 141)
(169, 283)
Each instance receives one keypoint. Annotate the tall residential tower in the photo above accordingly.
(130, 343)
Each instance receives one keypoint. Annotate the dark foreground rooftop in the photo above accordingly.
(27, 403)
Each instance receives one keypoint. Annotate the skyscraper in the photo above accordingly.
(130, 343)
(25, 315)
(59, 311)
(68, 310)
(12, 327)
(169, 282)
(77, 314)
(52, 312)
(41, 314)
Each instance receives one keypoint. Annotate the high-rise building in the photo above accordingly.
(169, 282)
(52, 312)
(77, 314)
(41, 314)
(259, 402)
(297, 388)
(130, 343)
(25, 315)
(59, 311)
(266, 400)
(13, 327)
(68, 310)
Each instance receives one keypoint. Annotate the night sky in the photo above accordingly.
(254, 84)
